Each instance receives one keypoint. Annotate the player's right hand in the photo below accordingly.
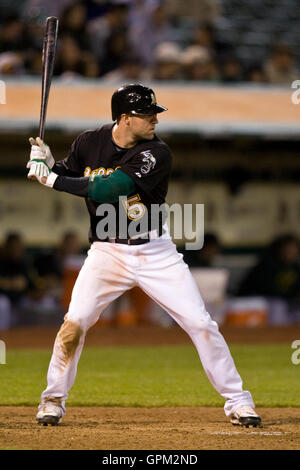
(41, 152)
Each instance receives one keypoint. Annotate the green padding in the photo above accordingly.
(109, 189)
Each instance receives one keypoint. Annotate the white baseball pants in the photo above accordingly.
(157, 268)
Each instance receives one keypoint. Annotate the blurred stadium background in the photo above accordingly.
(224, 69)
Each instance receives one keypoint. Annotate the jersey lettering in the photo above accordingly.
(99, 171)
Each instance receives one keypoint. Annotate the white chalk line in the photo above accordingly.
(258, 433)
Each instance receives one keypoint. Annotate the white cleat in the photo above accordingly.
(245, 416)
(50, 412)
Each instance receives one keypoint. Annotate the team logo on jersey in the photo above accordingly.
(150, 162)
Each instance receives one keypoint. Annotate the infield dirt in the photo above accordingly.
(115, 428)
(148, 429)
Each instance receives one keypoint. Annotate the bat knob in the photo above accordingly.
(31, 177)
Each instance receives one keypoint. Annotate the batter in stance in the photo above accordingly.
(127, 159)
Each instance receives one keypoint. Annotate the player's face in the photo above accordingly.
(143, 126)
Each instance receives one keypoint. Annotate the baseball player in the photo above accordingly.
(127, 159)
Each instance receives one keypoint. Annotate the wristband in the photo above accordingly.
(51, 180)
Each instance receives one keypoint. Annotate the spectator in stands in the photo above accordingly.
(72, 61)
(256, 74)
(167, 63)
(49, 264)
(91, 69)
(152, 29)
(197, 64)
(73, 23)
(103, 29)
(277, 274)
(206, 11)
(35, 64)
(231, 70)
(204, 37)
(16, 278)
(11, 63)
(40, 9)
(280, 68)
(206, 256)
(131, 70)
(116, 47)
(48, 267)
(14, 36)
(17, 46)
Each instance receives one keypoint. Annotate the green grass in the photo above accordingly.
(157, 376)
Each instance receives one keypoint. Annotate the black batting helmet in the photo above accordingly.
(134, 99)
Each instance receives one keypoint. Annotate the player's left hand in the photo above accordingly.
(38, 170)
(41, 152)
(41, 172)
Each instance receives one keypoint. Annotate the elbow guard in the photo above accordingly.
(109, 189)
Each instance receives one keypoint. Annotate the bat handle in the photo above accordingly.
(41, 133)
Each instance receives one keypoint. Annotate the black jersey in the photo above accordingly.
(148, 164)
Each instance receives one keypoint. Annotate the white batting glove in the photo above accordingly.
(39, 171)
(40, 152)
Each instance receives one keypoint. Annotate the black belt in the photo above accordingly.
(135, 241)
(129, 241)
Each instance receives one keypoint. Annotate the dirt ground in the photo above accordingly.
(114, 428)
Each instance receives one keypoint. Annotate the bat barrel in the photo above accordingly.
(49, 49)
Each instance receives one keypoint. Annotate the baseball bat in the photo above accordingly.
(49, 49)
(48, 57)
